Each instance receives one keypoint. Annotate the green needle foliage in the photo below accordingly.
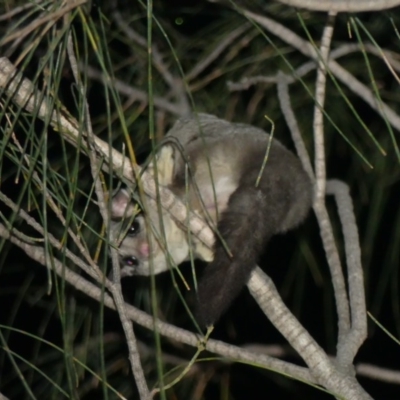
(55, 342)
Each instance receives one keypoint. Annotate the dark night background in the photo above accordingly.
(296, 261)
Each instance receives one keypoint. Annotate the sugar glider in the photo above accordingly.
(212, 166)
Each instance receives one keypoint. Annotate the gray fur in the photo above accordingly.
(246, 216)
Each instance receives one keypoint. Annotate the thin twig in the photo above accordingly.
(338, 281)
(290, 118)
(347, 6)
(355, 277)
(318, 121)
(378, 373)
(204, 63)
(134, 93)
(53, 16)
(304, 69)
(20, 9)
(116, 289)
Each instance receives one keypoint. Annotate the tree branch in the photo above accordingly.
(343, 5)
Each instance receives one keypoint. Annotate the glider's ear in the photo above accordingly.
(119, 204)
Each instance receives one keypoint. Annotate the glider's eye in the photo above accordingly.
(131, 261)
(134, 229)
